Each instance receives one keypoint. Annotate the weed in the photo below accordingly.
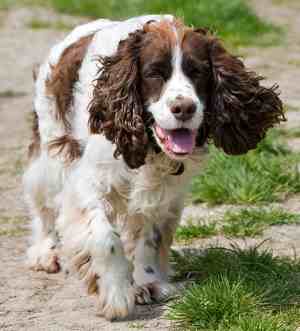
(237, 290)
(249, 222)
(266, 174)
(201, 230)
(37, 24)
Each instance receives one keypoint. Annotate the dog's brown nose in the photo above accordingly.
(183, 108)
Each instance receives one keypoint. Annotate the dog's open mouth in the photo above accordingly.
(178, 142)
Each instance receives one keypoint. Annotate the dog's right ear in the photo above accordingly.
(116, 108)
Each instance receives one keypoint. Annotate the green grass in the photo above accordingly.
(290, 133)
(250, 222)
(201, 230)
(11, 94)
(5, 4)
(246, 222)
(237, 290)
(233, 20)
(266, 174)
(12, 226)
(218, 301)
(37, 24)
(291, 108)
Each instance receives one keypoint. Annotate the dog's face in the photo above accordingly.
(181, 86)
(175, 78)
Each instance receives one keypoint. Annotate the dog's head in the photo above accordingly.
(175, 87)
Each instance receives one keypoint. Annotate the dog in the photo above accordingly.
(123, 112)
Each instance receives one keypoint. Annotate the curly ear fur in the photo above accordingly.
(240, 109)
(116, 108)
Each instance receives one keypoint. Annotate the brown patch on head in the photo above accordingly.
(196, 61)
(163, 29)
(156, 59)
(64, 76)
(66, 145)
(34, 147)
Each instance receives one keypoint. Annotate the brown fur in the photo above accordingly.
(65, 75)
(116, 109)
(241, 109)
(238, 110)
(121, 91)
(35, 145)
(68, 146)
(82, 263)
(61, 85)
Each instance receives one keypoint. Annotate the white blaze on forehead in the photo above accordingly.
(177, 85)
(180, 84)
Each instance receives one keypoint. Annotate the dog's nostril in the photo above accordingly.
(176, 109)
(183, 109)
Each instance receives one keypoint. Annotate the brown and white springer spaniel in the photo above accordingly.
(122, 113)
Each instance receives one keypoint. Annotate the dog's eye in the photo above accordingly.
(199, 70)
(196, 70)
(161, 72)
(155, 74)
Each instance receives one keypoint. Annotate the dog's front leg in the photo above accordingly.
(94, 250)
(92, 246)
(151, 258)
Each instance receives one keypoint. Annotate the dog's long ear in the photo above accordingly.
(116, 108)
(240, 109)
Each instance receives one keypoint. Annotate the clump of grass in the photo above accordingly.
(13, 232)
(234, 20)
(288, 107)
(15, 220)
(237, 290)
(266, 174)
(264, 322)
(289, 133)
(11, 94)
(37, 24)
(249, 222)
(192, 231)
(218, 302)
(13, 226)
(246, 222)
(4, 4)
(17, 168)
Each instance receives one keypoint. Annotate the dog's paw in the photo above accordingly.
(43, 257)
(142, 295)
(116, 301)
(162, 291)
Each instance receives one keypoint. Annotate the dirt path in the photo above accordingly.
(37, 301)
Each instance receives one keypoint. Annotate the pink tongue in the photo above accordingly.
(181, 141)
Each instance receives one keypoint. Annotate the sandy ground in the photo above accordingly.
(37, 301)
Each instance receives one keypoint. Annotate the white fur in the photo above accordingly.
(104, 212)
(178, 85)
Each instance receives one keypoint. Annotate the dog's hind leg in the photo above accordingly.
(39, 192)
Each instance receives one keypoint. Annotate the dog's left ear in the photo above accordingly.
(240, 110)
